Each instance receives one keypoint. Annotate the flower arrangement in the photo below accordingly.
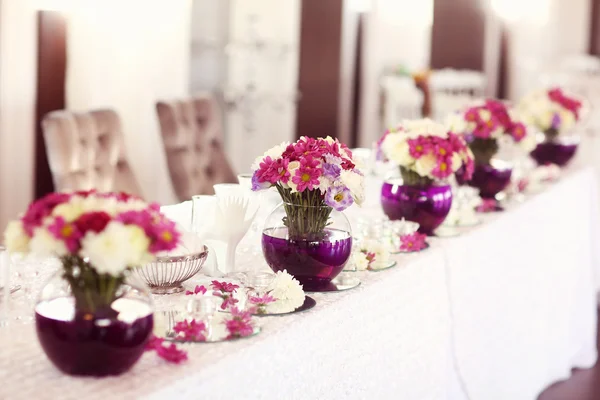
(287, 292)
(370, 255)
(312, 176)
(551, 111)
(484, 124)
(98, 238)
(425, 151)
(413, 242)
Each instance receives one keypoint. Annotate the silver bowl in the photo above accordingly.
(166, 274)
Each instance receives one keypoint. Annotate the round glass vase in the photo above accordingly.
(491, 178)
(426, 204)
(94, 341)
(558, 150)
(312, 243)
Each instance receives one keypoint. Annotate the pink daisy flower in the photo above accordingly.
(197, 289)
(66, 232)
(307, 176)
(443, 168)
(413, 242)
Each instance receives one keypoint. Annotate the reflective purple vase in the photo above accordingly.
(558, 152)
(314, 263)
(490, 180)
(106, 341)
(427, 205)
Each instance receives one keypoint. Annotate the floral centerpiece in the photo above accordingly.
(427, 154)
(98, 238)
(555, 114)
(551, 111)
(484, 125)
(316, 179)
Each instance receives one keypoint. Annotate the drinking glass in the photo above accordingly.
(203, 308)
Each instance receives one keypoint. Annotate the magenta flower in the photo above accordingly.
(442, 148)
(413, 242)
(518, 131)
(191, 330)
(571, 104)
(225, 287)
(197, 289)
(40, 209)
(417, 147)
(338, 197)
(240, 325)
(370, 256)
(66, 232)
(170, 353)
(522, 184)
(487, 205)
(307, 176)
(261, 302)
(442, 169)
(153, 343)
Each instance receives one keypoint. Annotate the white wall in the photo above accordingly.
(535, 43)
(396, 32)
(126, 59)
(18, 66)
(270, 117)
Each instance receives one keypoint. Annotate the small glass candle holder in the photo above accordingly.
(203, 308)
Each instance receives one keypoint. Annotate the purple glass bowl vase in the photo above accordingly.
(426, 205)
(558, 152)
(314, 263)
(107, 341)
(490, 180)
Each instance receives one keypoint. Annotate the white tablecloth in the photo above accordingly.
(498, 313)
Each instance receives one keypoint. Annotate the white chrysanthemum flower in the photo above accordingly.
(138, 243)
(359, 260)
(287, 291)
(417, 127)
(355, 183)
(382, 255)
(70, 210)
(396, 149)
(44, 244)
(274, 152)
(110, 251)
(15, 238)
(425, 164)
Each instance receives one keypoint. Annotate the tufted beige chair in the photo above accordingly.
(193, 138)
(86, 151)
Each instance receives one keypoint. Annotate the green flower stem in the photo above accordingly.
(92, 291)
(483, 150)
(411, 178)
(307, 215)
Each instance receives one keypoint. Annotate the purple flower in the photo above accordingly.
(331, 171)
(257, 184)
(555, 124)
(338, 197)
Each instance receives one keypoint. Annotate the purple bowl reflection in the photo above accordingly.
(426, 205)
(554, 153)
(313, 263)
(489, 180)
(90, 348)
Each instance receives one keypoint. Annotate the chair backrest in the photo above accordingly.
(193, 138)
(86, 151)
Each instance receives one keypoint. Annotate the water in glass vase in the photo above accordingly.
(313, 262)
(89, 345)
